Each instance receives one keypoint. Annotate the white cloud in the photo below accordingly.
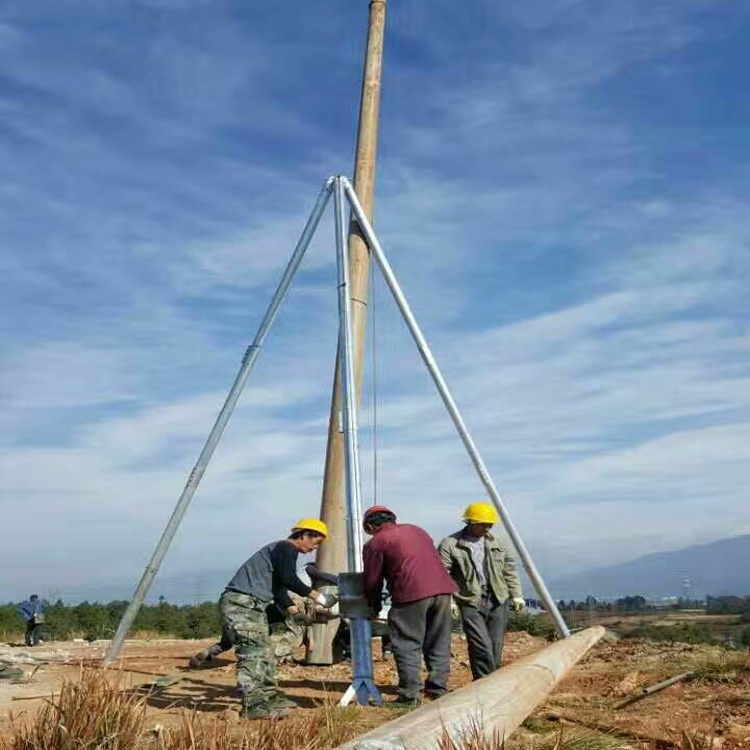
(59, 375)
(586, 301)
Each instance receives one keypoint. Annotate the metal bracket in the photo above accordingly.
(352, 602)
(363, 686)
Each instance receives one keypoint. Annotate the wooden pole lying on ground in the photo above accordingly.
(331, 557)
(494, 706)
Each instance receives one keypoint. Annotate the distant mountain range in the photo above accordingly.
(721, 567)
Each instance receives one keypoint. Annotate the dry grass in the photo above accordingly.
(91, 713)
(563, 738)
(567, 738)
(326, 727)
(708, 665)
(694, 739)
(472, 738)
(727, 667)
(88, 713)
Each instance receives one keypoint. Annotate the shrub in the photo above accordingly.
(92, 620)
(685, 632)
(724, 668)
(537, 625)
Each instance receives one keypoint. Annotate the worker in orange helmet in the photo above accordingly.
(487, 578)
(404, 557)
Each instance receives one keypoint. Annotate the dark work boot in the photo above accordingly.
(205, 657)
(403, 702)
(281, 701)
(263, 711)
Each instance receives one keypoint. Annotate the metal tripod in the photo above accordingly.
(352, 605)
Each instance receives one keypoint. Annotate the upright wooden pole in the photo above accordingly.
(332, 555)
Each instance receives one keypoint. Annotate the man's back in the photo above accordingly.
(405, 556)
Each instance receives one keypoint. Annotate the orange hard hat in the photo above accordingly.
(370, 512)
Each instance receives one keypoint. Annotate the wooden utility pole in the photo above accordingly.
(494, 706)
(332, 555)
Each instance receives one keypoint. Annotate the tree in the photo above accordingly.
(632, 604)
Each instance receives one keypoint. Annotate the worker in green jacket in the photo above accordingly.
(487, 579)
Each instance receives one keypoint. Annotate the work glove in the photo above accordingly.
(455, 611)
(517, 604)
(325, 600)
(309, 614)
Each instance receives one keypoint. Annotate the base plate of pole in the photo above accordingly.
(364, 690)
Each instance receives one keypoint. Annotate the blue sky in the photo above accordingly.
(562, 189)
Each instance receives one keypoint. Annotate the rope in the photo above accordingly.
(375, 416)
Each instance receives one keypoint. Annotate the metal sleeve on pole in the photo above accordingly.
(452, 408)
(248, 362)
(359, 625)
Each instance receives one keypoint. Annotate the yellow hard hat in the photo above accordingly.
(481, 513)
(311, 524)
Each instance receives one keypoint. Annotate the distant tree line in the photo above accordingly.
(683, 632)
(729, 605)
(94, 620)
(635, 603)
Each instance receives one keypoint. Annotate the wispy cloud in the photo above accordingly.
(562, 203)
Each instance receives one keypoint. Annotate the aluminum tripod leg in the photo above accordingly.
(450, 405)
(359, 626)
(346, 344)
(217, 430)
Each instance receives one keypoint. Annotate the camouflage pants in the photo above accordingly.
(287, 637)
(244, 618)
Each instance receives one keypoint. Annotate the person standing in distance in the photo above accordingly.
(404, 556)
(33, 611)
(487, 579)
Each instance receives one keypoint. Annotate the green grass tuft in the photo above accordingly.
(728, 667)
(538, 725)
(580, 739)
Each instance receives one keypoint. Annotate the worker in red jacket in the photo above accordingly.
(404, 556)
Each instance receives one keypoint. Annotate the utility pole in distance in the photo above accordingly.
(331, 556)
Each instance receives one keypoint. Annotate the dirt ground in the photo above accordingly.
(609, 673)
